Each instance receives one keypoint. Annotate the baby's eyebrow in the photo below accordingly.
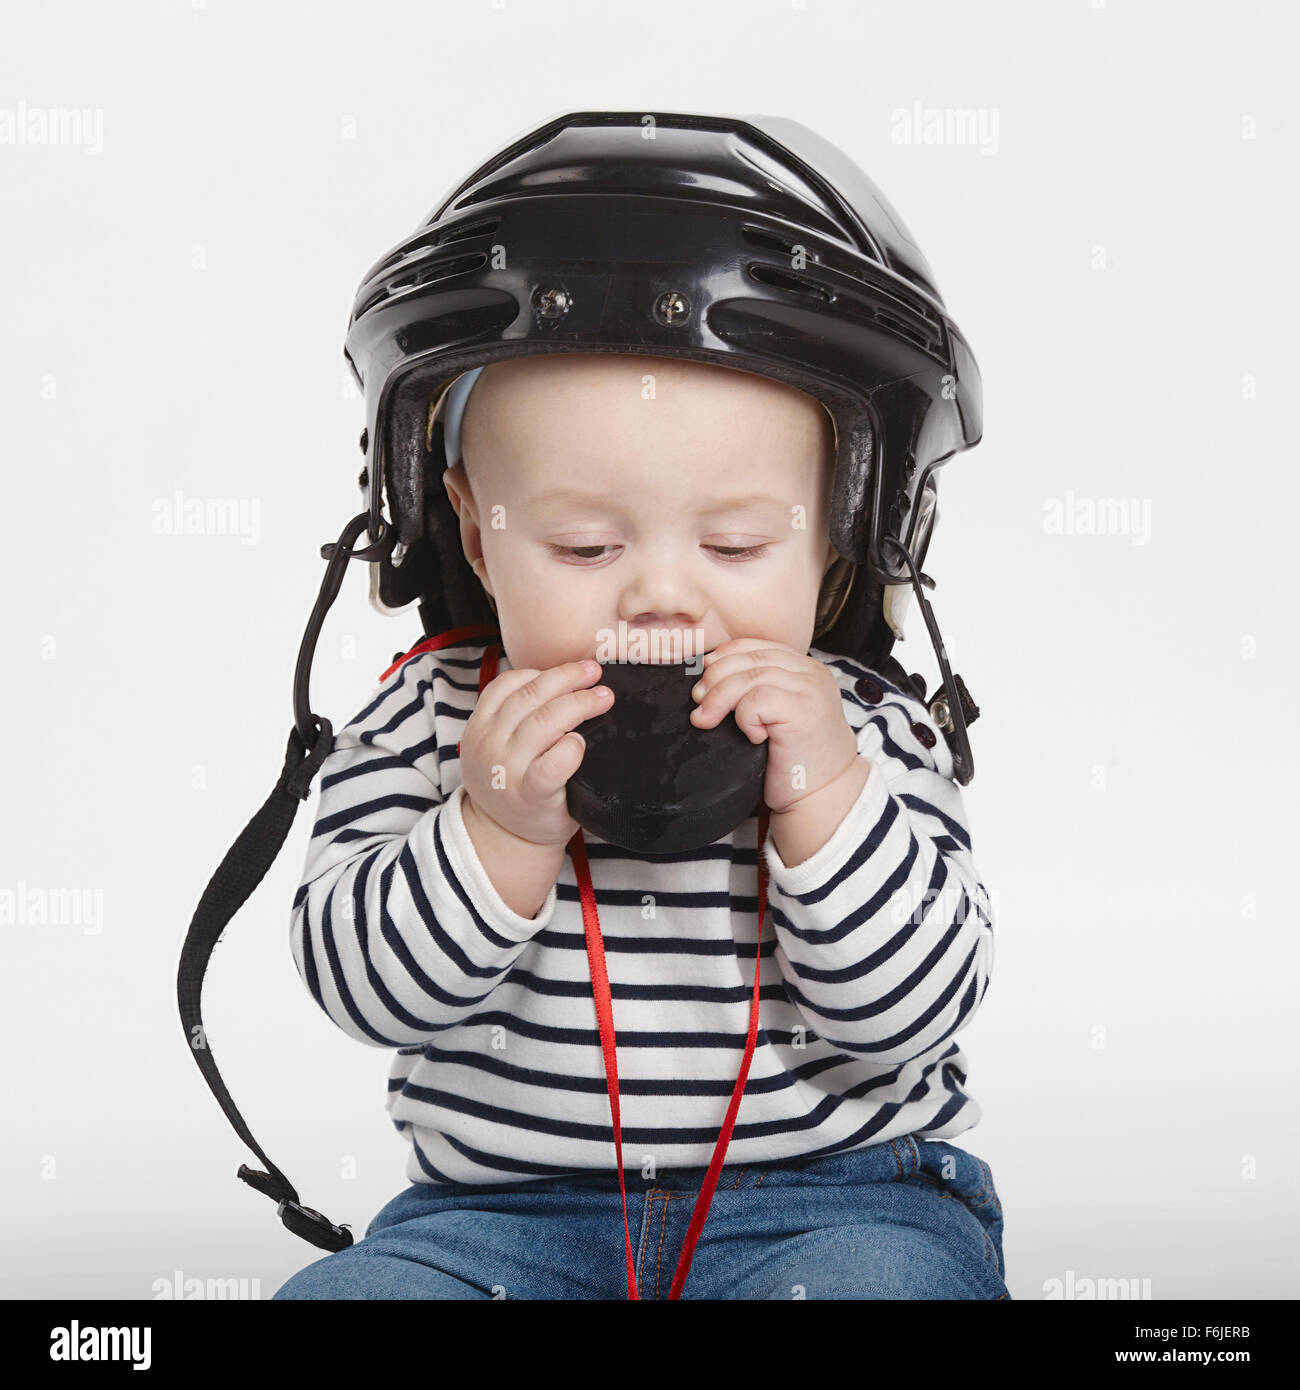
(563, 496)
(738, 504)
(567, 496)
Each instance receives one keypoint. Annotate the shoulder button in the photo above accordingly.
(870, 690)
(923, 734)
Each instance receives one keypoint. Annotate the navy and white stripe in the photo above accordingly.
(876, 951)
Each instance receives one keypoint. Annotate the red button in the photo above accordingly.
(870, 690)
(923, 735)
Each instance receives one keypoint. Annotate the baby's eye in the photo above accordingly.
(579, 552)
(739, 552)
(588, 553)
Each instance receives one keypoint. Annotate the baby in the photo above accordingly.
(614, 497)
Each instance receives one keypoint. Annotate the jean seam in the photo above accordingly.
(663, 1226)
(988, 1193)
(645, 1239)
(898, 1162)
(663, 1222)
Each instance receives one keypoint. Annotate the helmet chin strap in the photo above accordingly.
(952, 708)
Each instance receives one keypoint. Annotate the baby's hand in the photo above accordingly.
(793, 701)
(518, 751)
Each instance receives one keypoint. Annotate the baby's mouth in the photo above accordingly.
(671, 649)
(647, 646)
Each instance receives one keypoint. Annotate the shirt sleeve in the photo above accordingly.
(396, 928)
(885, 934)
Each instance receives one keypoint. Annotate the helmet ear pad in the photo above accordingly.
(433, 569)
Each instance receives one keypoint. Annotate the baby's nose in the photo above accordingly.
(658, 619)
(661, 596)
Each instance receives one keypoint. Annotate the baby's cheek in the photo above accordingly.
(556, 616)
(781, 607)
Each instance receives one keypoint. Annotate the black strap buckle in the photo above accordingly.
(311, 1226)
(338, 554)
(955, 707)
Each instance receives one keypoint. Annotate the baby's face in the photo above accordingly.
(664, 504)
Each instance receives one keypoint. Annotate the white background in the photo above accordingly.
(1121, 258)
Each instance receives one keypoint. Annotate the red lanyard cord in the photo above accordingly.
(605, 1023)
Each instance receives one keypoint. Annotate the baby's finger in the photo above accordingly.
(546, 775)
(723, 697)
(763, 707)
(539, 729)
(510, 700)
(755, 657)
(738, 644)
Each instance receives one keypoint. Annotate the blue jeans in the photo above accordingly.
(909, 1218)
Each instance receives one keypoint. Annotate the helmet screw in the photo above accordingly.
(363, 479)
(551, 303)
(364, 441)
(940, 713)
(672, 307)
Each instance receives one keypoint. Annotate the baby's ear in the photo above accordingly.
(456, 482)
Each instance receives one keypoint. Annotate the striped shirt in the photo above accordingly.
(876, 951)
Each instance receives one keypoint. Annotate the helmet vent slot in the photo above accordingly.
(483, 226)
(925, 341)
(905, 315)
(438, 270)
(765, 241)
(426, 241)
(909, 315)
(427, 274)
(788, 280)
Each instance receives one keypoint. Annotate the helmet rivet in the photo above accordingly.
(364, 440)
(551, 303)
(672, 307)
(940, 713)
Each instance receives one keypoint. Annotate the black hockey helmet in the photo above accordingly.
(751, 243)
